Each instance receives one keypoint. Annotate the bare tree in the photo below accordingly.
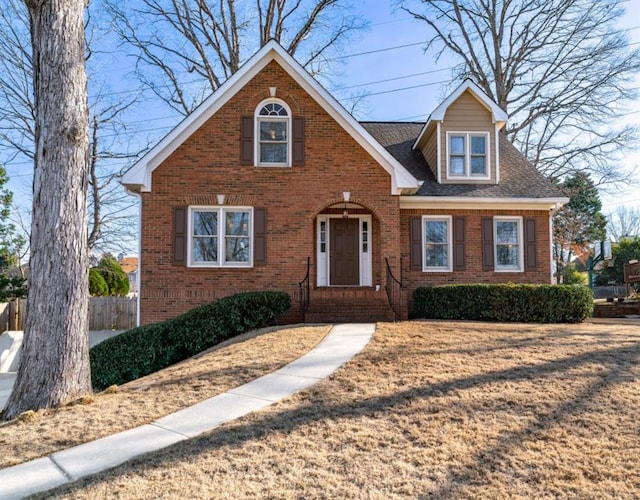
(110, 207)
(623, 223)
(16, 77)
(55, 354)
(111, 214)
(185, 49)
(560, 68)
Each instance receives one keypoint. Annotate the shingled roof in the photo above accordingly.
(518, 177)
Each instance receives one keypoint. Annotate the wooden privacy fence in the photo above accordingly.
(112, 313)
(105, 313)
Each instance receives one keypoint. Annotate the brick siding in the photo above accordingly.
(474, 272)
(208, 164)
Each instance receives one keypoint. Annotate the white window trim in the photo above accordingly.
(221, 210)
(432, 269)
(467, 155)
(520, 265)
(256, 132)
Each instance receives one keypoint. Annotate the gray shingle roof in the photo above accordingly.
(518, 177)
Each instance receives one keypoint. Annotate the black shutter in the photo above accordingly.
(415, 236)
(246, 140)
(180, 235)
(259, 237)
(459, 262)
(298, 141)
(487, 244)
(530, 261)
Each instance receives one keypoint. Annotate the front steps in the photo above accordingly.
(348, 305)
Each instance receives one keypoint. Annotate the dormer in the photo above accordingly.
(460, 139)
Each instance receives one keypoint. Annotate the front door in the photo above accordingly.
(344, 252)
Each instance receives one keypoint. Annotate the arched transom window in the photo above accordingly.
(273, 121)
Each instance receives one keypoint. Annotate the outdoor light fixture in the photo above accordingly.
(346, 196)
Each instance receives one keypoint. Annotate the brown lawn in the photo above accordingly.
(228, 365)
(428, 409)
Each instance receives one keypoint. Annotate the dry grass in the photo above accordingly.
(428, 409)
(213, 372)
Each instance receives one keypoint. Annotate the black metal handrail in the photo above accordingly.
(304, 289)
(394, 290)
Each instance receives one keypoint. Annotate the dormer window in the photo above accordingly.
(273, 132)
(468, 155)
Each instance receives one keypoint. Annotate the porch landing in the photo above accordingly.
(348, 305)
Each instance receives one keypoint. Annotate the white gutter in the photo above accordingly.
(466, 202)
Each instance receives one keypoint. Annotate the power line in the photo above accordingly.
(403, 77)
(401, 89)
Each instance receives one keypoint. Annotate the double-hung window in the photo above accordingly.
(468, 155)
(273, 123)
(220, 236)
(508, 243)
(437, 243)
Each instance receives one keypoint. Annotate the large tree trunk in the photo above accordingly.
(55, 353)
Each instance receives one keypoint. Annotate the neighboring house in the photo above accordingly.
(271, 173)
(130, 266)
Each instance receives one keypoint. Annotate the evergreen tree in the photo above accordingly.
(579, 223)
(97, 285)
(12, 284)
(115, 278)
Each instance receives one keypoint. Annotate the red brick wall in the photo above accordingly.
(208, 163)
(474, 272)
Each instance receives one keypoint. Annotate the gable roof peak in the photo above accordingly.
(498, 115)
(138, 177)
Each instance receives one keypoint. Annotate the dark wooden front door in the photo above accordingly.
(344, 252)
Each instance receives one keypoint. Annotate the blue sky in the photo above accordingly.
(402, 83)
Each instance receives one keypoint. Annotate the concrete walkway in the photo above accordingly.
(340, 345)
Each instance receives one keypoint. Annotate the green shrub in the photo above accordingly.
(508, 302)
(97, 285)
(573, 276)
(115, 278)
(150, 348)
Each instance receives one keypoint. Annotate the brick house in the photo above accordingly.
(270, 180)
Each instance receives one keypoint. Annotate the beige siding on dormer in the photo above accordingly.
(467, 114)
(430, 151)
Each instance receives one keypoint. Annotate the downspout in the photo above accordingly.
(139, 196)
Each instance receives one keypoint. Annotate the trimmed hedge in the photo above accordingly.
(508, 302)
(150, 348)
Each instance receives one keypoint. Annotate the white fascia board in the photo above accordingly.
(498, 115)
(140, 173)
(459, 202)
(423, 132)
